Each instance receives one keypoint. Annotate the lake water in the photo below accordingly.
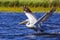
(10, 29)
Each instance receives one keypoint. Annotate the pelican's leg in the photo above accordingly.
(35, 29)
(40, 27)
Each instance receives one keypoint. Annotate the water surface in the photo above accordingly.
(10, 29)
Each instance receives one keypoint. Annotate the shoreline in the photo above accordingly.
(20, 9)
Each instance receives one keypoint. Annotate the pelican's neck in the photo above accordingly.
(32, 19)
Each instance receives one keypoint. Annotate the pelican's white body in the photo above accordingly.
(31, 18)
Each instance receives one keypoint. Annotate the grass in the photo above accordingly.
(20, 9)
(10, 9)
(32, 5)
(35, 3)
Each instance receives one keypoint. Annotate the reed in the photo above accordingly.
(35, 5)
(32, 3)
(20, 9)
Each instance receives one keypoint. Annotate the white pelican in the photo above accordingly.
(34, 23)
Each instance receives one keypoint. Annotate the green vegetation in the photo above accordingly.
(34, 5)
(31, 3)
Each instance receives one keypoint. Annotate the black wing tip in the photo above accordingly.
(25, 8)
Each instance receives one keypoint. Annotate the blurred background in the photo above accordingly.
(32, 3)
(35, 5)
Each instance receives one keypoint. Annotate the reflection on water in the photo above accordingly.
(10, 29)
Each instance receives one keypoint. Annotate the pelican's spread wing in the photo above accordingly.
(24, 22)
(46, 16)
(30, 15)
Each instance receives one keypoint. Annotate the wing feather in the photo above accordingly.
(46, 16)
